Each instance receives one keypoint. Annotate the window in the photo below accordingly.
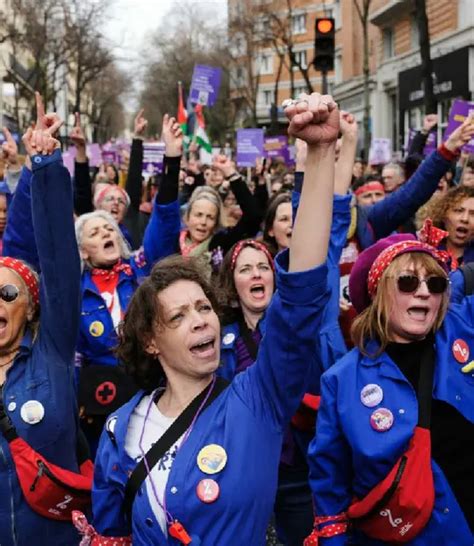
(414, 34)
(299, 89)
(267, 98)
(300, 60)
(388, 43)
(264, 63)
(238, 46)
(298, 23)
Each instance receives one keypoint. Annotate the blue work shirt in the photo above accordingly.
(42, 370)
(247, 420)
(348, 457)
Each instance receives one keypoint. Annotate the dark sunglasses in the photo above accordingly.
(9, 292)
(410, 283)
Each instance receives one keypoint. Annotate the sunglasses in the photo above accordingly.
(9, 293)
(410, 283)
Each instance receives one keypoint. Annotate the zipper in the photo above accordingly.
(43, 470)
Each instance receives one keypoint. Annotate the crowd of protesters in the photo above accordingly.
(187, 357)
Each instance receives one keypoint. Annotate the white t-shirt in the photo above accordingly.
(156, 425)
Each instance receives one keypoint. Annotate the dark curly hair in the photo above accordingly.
(144, 313)
(273, 205)
(449, 200)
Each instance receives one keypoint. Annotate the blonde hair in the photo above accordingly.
(209, 194)
(373, 322)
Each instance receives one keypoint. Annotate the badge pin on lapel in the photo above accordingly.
(32, 412)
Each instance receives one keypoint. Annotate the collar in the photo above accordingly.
(386, 365)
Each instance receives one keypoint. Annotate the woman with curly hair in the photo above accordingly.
(454, 212)
(216, 482)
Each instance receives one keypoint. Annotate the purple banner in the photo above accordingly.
(205, 84)
(153, 153)
(277, 148)
(431, 141)
(109, 156)
(249, 146)
(94, 153)
(459, 112)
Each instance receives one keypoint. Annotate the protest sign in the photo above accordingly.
(205, 84)
(153, 153)
(249, 146)
(459, 112)
(380, 151)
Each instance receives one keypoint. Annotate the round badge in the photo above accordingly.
(371, 395)
(11, 406)
(207, 490)
(381, 420)
(32, 412)
(461, 351)
(228, 338)
(212, 459)
(96, 328)
(105, 393)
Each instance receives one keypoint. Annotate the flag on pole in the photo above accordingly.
(200, 135)
(182, 113)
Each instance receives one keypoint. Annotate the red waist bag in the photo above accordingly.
(50, 490)
(400, 506)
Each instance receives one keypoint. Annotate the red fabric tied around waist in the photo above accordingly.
(398, 508)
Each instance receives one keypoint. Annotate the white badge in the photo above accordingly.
(371, 395)
(228, 338)
(32, 412)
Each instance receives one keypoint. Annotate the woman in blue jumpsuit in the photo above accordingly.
(245, 423)
(37, 352)
(400, 287)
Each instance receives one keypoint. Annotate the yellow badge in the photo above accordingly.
(96, 329)
(212, 459)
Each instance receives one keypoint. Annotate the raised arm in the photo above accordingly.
(275, 385)
(133, 185)
(82, 179)
(162, 232)
(10, 158)
(388, 214)
(249, 223)
(52, 210)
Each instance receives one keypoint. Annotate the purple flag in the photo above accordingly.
(249, 146)
(94, 153)
(459, 112)
(153, 153)
(205, 84)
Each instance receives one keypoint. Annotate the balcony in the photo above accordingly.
(390, 12)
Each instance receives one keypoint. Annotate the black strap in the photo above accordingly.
(175, 431)
(468, 272)
(246, 335)
(425, 386)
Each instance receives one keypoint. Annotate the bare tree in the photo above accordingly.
(363, 13)
(426, 63)
(174, 51)
(89, 55)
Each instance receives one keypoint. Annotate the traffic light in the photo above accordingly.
(324, 45)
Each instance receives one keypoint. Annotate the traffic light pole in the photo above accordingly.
(324, 86)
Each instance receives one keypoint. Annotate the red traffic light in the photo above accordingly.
(325, 25)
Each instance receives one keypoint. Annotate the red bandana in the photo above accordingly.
(253, 244)
(112, 273)
(326, 532)
(26, 274)
(370, 186)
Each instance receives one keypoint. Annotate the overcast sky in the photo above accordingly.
(132, 21)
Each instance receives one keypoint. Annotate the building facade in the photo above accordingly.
(396, 94)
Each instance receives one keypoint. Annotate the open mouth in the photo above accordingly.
(3, 325)
(204, 348)
(418, 313)
(462, 231)
(258, 290)
(109, 245)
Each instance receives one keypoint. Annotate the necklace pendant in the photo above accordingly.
(176, 530)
